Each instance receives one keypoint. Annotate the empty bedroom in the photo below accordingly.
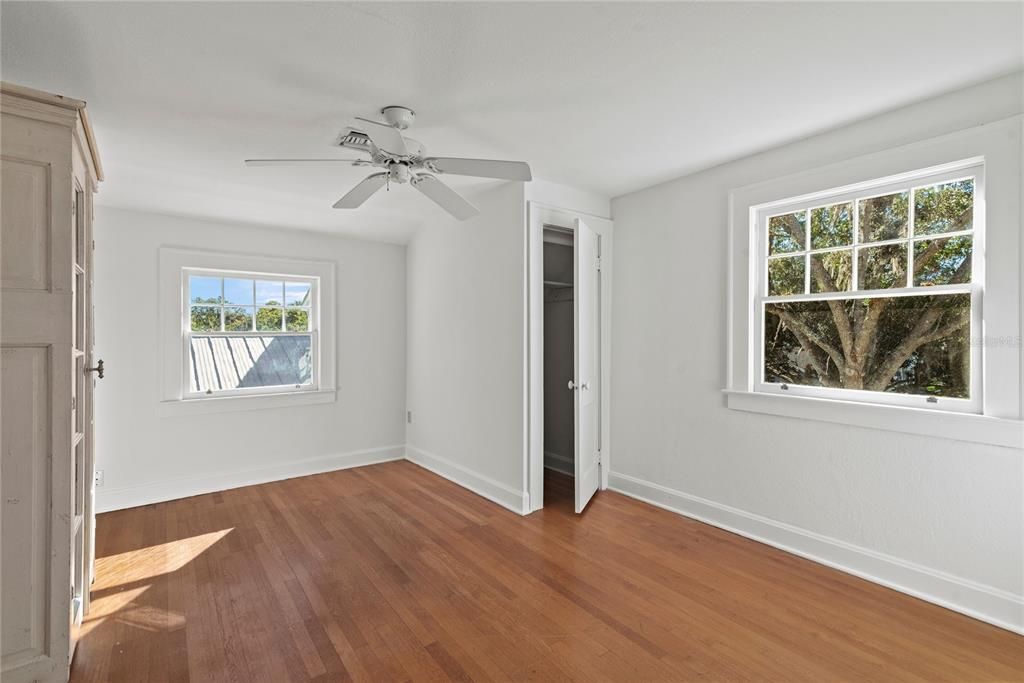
(639, 342)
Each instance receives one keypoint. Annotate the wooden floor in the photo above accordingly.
(390, 573)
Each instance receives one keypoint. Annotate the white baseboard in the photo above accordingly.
(158, 492)
(998, 607)
(559, 463)
(494, 491)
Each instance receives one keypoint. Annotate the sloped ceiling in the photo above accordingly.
(606, 97)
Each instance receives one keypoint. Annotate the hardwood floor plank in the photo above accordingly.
(390, 573)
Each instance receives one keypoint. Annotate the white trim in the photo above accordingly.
(157, 492)
(559, 463)
(992, 605)
(941, 424)
(228, 404)
(482, 485)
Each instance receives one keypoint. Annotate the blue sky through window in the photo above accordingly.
(204, 289)
(238, 291)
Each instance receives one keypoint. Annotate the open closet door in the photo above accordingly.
(586, 332)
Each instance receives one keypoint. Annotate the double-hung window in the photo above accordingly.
(873, 294)
(248, 333)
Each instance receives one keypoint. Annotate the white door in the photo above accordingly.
(586, 327)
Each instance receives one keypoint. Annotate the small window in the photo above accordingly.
(873, 295)
(249, 333)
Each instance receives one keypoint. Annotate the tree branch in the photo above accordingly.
(923, 333)
(801, 328)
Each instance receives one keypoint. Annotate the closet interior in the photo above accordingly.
(559, 349)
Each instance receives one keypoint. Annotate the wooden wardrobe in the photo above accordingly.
(49, 170)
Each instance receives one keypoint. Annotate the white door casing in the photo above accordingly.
(586, 384)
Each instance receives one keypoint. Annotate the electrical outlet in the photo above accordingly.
(98, 478)
(408, 417)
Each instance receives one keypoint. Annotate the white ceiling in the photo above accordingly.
(606, 97)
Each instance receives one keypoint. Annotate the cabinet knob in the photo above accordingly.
(98, 369)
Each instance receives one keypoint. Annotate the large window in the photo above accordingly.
(874, 294)
(248, 333)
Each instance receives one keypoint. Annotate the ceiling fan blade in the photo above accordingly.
(387, 138)
(481, 168)
(361, 192)
(444, 196)
(302, 162)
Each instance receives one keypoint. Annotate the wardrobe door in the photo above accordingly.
(49, 170)
(36, 376)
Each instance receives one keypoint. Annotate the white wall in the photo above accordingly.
(940, 518)
(466, 346)
(147, 457)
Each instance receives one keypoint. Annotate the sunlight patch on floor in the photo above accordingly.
(123, 598)
(155, 560)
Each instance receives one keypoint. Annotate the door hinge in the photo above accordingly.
(599, 456)
(74, 402)
(599, 264)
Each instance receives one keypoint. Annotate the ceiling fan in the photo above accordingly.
(404, 160)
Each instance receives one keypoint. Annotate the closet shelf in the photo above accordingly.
(556, 283)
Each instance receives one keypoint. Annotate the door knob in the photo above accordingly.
(98, 369)
(572, 385)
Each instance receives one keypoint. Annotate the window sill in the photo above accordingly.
(957, 426)
(226, 404)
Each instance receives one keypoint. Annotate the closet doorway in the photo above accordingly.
(559, 372)
(568, 360)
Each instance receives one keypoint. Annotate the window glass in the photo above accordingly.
(296, 293)
(238, 291)
(920, 345)
(859, 334)
(883, 218)
(246, 333)
(832, 226)
(944, 208)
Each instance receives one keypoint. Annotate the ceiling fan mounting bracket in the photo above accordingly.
(398, 116)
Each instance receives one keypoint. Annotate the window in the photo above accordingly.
(873, 294)
(248, 333)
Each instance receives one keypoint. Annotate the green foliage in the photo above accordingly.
(268, 319)
(837, 265)
(786, 276)
(786, 233)
(832, 226)
(297, 319)
(944, 208)
(942, 262)
(237, 318)
(883, 218)
(882, 267)
(206, 318)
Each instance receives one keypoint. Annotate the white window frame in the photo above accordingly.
(175, 265)
(1001, 307)
(760, 215)
(187, 333)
